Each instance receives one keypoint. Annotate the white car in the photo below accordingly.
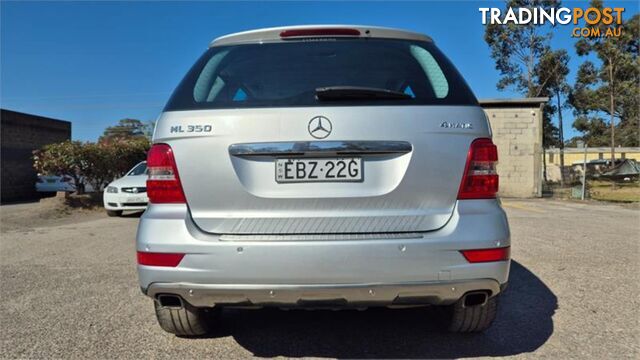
(127, 193)
(54, 183)
(51, 184)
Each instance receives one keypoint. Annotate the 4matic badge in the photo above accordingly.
(451, 125)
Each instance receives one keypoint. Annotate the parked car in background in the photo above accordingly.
(127, 193)
(49, 185)
(323, 167)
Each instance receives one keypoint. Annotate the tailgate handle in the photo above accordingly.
(301, 148)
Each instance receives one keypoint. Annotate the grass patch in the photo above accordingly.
(621, 192)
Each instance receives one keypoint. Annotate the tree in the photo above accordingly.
(550, 133)
(148, 129)
(127, 153)
(65, 158)
(551, 72)
(517, 48)
(610, 88)
(595, 129)
(517, 51)
(100, 162)
(108, 161)
(95, 163)
(126, 128)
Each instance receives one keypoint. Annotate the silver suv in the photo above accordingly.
(322, 167)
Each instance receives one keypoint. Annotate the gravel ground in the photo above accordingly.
(69, 289)
(46, 213)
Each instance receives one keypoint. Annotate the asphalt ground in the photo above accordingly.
(69, 289)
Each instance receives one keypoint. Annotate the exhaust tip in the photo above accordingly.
(170, 301)
(476, 298)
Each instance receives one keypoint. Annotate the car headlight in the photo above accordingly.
(112, 189)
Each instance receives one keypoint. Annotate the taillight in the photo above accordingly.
(480, 180)
(163, 184)
(319, 32)
(487, 255)
(159, 259)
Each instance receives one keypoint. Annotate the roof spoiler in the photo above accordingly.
(279, 34)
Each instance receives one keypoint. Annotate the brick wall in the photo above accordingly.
(20, 135)
(517, 131)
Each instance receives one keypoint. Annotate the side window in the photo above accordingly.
(217, 86)
(434, 73)
(209, 84)
(240, 95)
(409, 91)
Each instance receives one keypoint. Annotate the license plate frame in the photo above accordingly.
(279, 165)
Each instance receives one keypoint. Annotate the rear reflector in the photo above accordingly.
(487, 255)
(159, 259)
(163, 184)
(480, 180)
(319, 32)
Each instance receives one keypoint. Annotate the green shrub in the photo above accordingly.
(94, 163)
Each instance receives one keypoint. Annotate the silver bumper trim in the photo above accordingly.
(433, 293)
(309, 148)
(321, 237)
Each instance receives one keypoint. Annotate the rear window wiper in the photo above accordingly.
(358, 92)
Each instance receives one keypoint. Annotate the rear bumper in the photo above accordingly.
(219, 269)
(433, 293)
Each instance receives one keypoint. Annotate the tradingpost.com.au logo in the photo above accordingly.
(592, 18)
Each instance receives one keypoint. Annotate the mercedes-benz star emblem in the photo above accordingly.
(319, 127)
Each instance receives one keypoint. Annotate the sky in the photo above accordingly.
(93, 63)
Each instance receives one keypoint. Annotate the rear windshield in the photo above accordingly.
(287, 74)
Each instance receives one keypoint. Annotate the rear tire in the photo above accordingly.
(472, 318)
(114, 213)
(186, 321)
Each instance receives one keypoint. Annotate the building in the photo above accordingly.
(21, 134)
(574, 157)
(517, 131)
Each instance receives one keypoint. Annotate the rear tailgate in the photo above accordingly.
(411, 189)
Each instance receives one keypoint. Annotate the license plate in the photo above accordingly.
(51, 181)
(343, 169)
